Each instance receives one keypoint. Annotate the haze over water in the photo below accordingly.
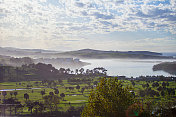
(128, 67)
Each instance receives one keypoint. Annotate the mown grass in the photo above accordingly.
(72, 98)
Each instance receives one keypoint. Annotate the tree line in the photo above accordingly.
(41, 71)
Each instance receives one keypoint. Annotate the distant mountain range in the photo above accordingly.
(169, 54)
(8, 49)
(99, 54)
(115, 52)
(84, 53)
(16, 52)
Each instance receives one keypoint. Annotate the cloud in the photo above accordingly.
(155, 13)
(170, 17)
(102, 16)
(119, 2)
(106, 23)
(84, 13)
(79, 4)
(64, 19)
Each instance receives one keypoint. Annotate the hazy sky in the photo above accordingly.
(97, 24)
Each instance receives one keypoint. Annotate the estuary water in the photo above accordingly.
(128, 67)
(18, 89)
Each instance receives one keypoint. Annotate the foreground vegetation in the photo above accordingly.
(109, 99)
(70, 96)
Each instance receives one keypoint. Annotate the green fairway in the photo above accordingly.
(73, 97)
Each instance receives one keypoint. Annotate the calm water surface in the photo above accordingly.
(128, 67)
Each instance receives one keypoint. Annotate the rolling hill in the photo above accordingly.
(83, 53)
(99, 54)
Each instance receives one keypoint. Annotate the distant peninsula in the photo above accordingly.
(169, 67)
(99, 54)
(82, 54)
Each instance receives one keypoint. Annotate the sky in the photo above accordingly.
(64, 25)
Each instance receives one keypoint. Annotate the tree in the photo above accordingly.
(164, 84)
(67, 70)
(78, 87)
(89, 83)
(4, 93)
(167, 83)
(133, 83)
(71, 88)
(12, 101)
(159, 88)
(26, 96)
(76, 71)
(38, 107)
(29, 104)
(95, 82)
(15, 93)
(51, 93)
(143, 85)
(62, 70)
(109, 99)
(41, 107)
(147, 85)
(42, 93)
(81, 70)
(51, 100)
(162, 93)
(142, 93)
(56, 91)
(82, 90)
(62, 95)
(11, 93)
(155, 84)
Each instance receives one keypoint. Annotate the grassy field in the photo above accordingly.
(72, 97)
